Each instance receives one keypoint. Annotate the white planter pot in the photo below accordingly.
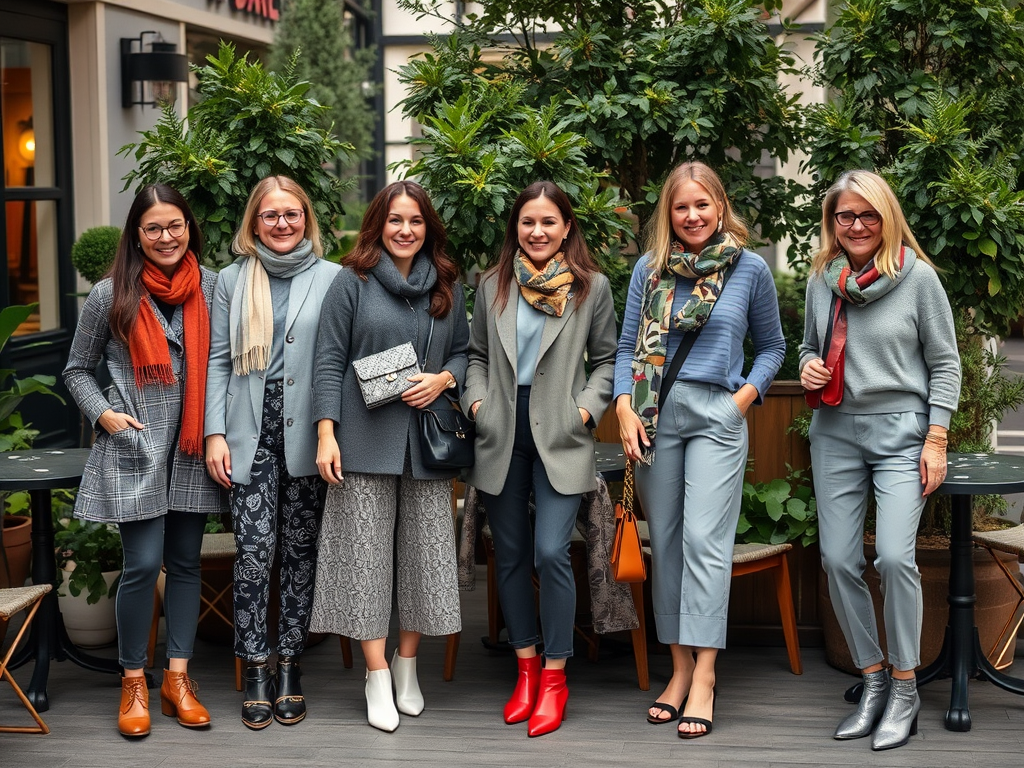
(89, 626)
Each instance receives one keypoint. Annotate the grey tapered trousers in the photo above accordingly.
(851, 455)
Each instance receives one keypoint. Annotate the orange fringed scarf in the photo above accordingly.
(148, 345)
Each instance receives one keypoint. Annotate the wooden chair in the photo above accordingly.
(751, 558)
(1011, 541)
(12, 601)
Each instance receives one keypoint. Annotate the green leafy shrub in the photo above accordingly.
(249, 124)
(779, 511)
(93, 252)
(87, 549)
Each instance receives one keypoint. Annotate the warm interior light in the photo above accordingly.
(27, 145)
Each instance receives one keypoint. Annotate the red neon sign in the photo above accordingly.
(265, 8)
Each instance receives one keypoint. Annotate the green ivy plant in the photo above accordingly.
(250, 123)
(779, 511)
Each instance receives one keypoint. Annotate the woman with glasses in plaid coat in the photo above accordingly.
(150, 319)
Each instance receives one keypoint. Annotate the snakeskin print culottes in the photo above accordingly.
(376, 527)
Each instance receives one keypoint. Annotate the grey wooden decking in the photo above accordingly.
(765, 717)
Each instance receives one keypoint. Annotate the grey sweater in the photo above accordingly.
(901, 352)
(359, 318)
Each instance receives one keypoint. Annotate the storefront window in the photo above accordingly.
(29, 179)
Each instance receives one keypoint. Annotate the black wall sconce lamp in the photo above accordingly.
(161, 66)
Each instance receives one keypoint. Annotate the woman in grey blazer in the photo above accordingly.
(538, 313)
(150, 319)
(388, 515)
(260, 437)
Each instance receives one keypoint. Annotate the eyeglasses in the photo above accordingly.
(271, 218)
(155, 231)
(868, 218)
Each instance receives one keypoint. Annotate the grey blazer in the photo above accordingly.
(234, 404)
(134, 474)
(560, 386)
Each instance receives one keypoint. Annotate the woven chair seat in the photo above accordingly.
(217, 545)
(1009, 540)
(17, 599)
(748, 553)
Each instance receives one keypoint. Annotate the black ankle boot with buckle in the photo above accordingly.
(259, 696)
(289, 706)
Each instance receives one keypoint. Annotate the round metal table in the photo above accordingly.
(39, 472)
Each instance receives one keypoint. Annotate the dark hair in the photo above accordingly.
(126, 271)
(577, 257)
(366, 253)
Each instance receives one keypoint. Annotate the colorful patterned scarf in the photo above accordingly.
(858, 289)
(150, 355)
(651, 348)
(546, 290)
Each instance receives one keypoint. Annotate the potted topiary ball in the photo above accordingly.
(93, 252)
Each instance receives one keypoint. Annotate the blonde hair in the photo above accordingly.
(659, 231)
(245, 238)
(895, 230)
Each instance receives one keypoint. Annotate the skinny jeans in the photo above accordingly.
(520, 546)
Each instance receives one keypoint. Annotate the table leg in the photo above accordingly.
(961, 632)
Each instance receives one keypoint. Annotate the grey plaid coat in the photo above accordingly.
(135, 475)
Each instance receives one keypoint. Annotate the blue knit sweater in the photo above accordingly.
(748, 303)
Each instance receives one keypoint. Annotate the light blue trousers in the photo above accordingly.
(851, 455)
(691, 497)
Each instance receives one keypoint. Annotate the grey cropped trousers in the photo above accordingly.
(851, 455)
(691, 497)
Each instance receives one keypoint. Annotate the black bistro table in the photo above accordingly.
(611, 461)
(962, 656)
(39, 472)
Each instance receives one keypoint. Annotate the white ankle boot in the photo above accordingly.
(407, 686)
(380, 702)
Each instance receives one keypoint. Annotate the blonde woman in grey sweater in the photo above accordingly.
(879, 364)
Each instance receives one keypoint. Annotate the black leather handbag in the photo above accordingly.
(446, 435)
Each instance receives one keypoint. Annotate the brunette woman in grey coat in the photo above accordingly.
(398, 286)
(150, 319)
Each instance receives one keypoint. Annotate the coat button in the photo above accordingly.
(289, 339)
(290, 382)
(289, 422)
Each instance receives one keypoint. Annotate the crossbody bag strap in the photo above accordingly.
(687, 343)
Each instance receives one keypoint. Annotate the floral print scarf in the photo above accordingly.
(648, 366)
(547, 290)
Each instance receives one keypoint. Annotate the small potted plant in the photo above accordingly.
(89, 558)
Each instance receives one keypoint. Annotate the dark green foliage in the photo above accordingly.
(647, 85)
(14, 433)
(249, 124)
(791, 291)
(929, 92)
(779, 511)
(93, 252)
(328, 61)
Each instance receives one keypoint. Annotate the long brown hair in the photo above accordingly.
(367, 251)
(126, 271)
(577, 257)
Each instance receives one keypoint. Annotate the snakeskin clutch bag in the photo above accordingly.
(384, 376)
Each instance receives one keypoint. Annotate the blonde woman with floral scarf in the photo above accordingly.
(537, 313)
(691, 450)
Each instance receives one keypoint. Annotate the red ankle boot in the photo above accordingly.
(550, 710)
(524, 697)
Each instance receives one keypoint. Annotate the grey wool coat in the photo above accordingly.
(234, 404)
(560, 386)
(126, 475)
(360, 318)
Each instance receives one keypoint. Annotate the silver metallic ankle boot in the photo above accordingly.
(869, 710)
(899, 721)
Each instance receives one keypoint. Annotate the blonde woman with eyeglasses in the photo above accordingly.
(260, 436)
(880, 366)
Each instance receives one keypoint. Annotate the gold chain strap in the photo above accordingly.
(627, 489)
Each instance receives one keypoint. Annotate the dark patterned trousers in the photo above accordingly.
(274, 510)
